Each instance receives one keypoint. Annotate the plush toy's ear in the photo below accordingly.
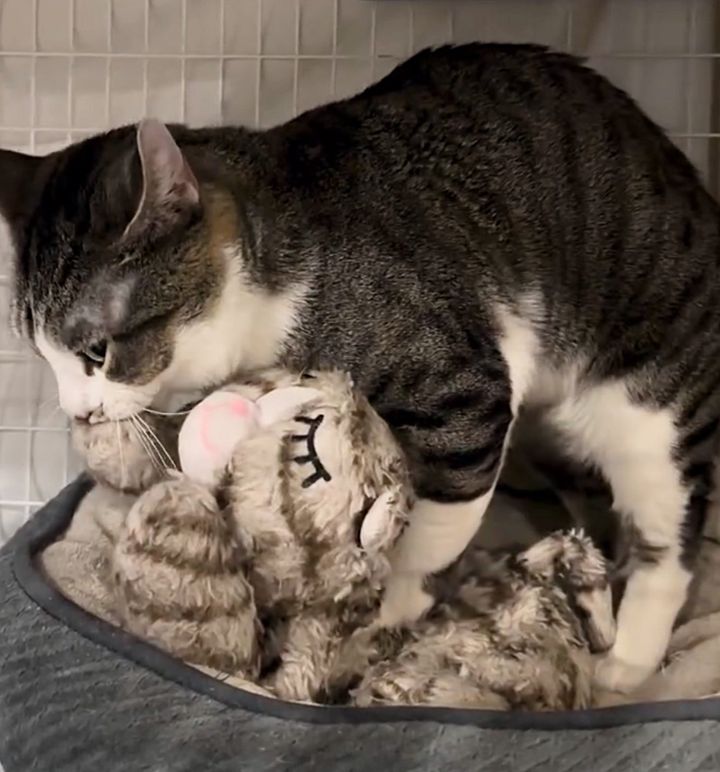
(540, 557)
(284, 403)
(383, 521)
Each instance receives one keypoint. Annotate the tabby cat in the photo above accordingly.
(488, 228)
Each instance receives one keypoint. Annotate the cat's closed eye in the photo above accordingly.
(95, 354)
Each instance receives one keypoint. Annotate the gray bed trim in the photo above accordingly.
(99, 691)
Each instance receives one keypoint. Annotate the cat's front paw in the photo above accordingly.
(122, 455)
(613, 673)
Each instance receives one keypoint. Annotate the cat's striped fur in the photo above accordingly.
(490, 227)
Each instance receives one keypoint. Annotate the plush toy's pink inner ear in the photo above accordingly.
(212, 430)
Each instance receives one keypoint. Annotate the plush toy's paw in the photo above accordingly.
(616, 674)
(178, 577)
(117, 454)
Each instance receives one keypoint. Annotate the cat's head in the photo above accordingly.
(128, 269)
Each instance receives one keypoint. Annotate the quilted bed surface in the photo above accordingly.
(69, 703)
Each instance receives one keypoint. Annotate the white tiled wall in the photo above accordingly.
(72, 67)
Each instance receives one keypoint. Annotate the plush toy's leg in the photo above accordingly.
(178, 578)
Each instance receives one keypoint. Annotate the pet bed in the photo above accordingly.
(78, 694)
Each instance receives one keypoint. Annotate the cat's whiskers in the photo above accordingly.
(46, 403)
(162, 413)
(147, 447)
(162, 450)
(123, 468)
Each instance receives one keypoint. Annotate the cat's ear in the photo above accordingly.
(169, 186)
(20, 186)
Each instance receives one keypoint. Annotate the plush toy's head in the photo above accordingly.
(570, 561)
(319, 494)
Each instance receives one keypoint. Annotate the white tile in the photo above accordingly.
(128, 26)
(15, 90)
(16, 26)
(165, 26)
(50, 140)
(52, 100)
(699, 77)
(11, 518)
(657, 79)
(164, 89)
(14, 140)
(703, 39)
(239, 91)
(278, 26)
(314, 83)
(432, 24)
(77, 136)
(352, 75)
(202, 92)
(702, 151)
(127, 102)
(392, 29)
(621, 28)
(13, 465)
(241, 27)
(667, 26)
(14, 408)
(276, 88)
(41, 396)
(48, 463)
(380, 68)
(520, 21)
(354, 28)
(89, 83)
(316, 27)
(54, 26)
(91, 19)
(204, 35)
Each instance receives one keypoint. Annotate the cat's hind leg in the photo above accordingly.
(638, 449)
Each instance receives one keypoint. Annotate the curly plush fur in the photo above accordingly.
(265, 575)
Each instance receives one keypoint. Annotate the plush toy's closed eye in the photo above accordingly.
(309, 454)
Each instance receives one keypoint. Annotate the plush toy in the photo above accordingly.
(266, 555)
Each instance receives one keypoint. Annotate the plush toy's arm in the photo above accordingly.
(178, 579)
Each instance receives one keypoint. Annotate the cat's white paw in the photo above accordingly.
(405, 599)
(616, 674)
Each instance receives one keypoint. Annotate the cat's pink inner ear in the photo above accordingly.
(167, 176)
